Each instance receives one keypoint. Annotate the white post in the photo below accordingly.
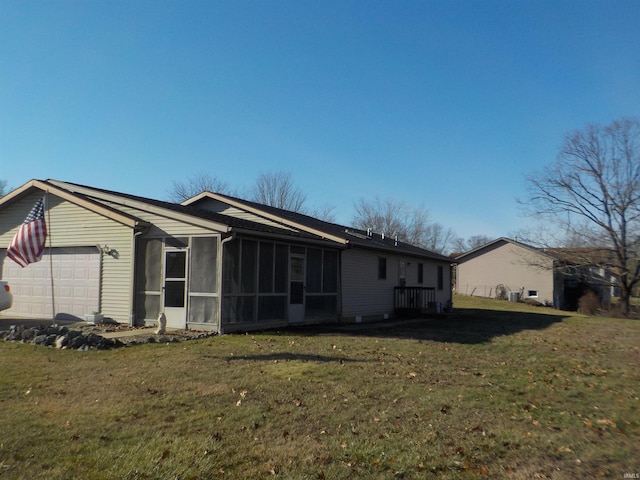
(53, 296)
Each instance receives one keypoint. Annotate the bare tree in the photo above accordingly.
(467, 244)
(324, 212)
(278, 190)
(409, 224)
(273, 189)
(198, 183)
(592, 192)
(3, 188)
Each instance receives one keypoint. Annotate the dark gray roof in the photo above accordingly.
(354, 236)
(193, 211)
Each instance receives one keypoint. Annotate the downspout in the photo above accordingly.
(340, 292)
(219, 274)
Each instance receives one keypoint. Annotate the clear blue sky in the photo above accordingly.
(443, 104)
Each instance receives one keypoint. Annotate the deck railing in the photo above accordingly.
(414, 300)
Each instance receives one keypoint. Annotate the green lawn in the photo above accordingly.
(496, 390)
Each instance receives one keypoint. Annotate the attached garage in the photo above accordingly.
(214, 262)
(76, 280)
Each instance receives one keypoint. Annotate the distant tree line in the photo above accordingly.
(394, 218)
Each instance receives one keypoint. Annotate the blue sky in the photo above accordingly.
(441, 104)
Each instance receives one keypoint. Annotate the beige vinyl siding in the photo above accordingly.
(69, 225)
(363, 294)
(430, 278)
(367, 296)
(516, 267)
(216, 206)
(163, 225)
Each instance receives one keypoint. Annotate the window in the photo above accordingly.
(403, 274)
(440, 277)
(382, 268)
(532, 293)
(420, 273)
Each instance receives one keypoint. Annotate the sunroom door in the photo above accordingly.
(296, 287)
(175, 287)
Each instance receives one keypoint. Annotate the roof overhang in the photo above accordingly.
(145, 206)
(261, 213)
(94, 206)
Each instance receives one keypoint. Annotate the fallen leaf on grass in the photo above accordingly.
(606, 422)
(243, 394)
(273, 469)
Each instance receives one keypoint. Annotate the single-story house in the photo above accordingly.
(505, 268)
(214, 262)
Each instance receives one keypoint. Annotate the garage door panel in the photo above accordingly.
(76, 275)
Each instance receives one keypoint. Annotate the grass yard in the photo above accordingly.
(497, 390)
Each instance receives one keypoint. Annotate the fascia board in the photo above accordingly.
(147, 207)
(284, 237)
(93, 206)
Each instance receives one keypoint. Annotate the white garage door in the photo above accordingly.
(76, 279)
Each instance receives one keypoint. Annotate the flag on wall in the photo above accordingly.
(28, 244)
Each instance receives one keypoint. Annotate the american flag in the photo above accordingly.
(28, 244)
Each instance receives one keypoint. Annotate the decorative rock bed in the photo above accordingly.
(88, 337)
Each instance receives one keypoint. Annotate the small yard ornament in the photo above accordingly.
(162, 323)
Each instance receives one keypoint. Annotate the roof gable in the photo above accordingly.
(184, 213)
(331, 231)
(495, 244)
(48, 187)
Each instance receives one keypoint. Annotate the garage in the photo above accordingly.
(76, 279)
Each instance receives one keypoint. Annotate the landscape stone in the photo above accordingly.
(62, 341)
(85, 338)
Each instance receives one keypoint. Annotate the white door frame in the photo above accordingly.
(175, 274)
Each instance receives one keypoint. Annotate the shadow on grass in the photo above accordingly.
(464, 325)
(287, 357)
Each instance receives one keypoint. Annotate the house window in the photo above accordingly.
(440, 277)
(532, 293)
(382, 268)
(420, 273)
(403, 274)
